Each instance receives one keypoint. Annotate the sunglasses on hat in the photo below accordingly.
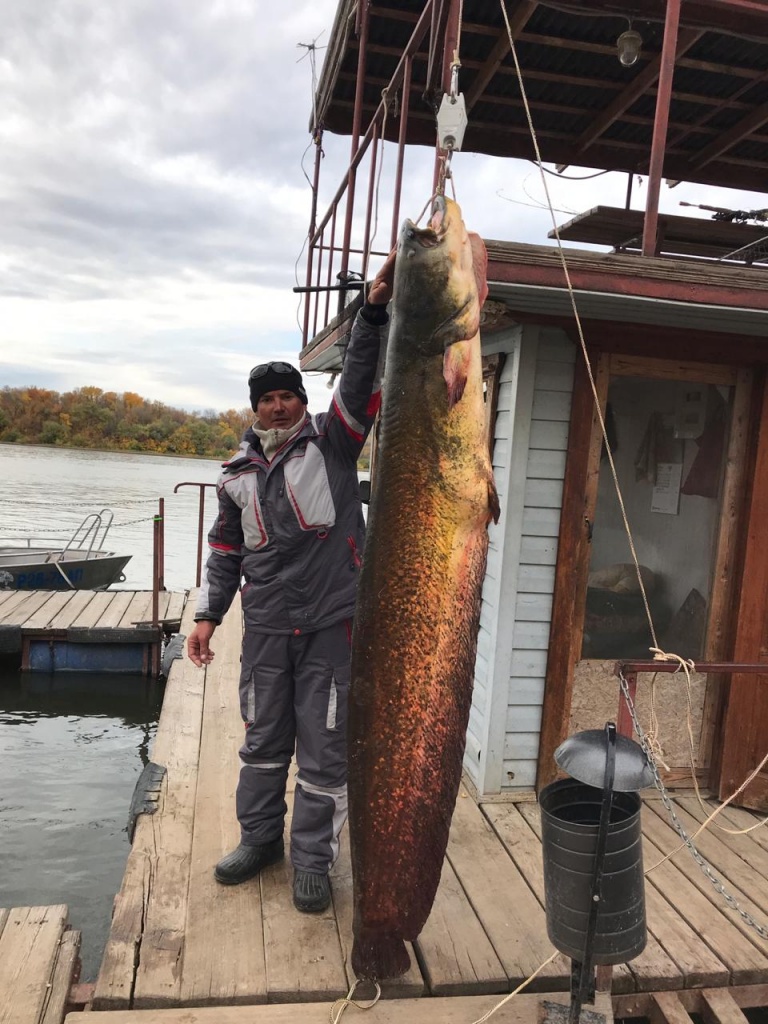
(264, 368)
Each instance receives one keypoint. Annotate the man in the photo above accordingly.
(290, 523)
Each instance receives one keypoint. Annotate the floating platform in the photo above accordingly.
(87, 630)
(180, 940)
(39, 961)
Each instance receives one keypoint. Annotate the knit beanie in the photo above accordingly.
(275, 376)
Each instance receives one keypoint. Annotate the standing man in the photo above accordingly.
(290, 524)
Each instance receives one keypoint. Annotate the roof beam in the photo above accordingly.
(636, 88)
(517, 21)
(727, 140)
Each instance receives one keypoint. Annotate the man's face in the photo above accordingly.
(279, 410)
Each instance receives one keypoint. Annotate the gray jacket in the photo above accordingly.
(293, 528)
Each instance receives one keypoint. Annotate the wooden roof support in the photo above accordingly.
(658, 145)
(517, 21)
(756, 119)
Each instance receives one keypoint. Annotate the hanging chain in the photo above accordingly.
(761, 930)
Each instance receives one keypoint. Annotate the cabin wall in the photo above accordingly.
(531, 437)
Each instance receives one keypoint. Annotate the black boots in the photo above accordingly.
(247, 861)
(311, 893)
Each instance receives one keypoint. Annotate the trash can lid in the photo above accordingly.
(582, 756)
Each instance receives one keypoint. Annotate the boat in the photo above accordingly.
(83, 563)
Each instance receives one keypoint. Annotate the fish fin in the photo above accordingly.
(480, 265)
(456, 369)
(377, 956)
(493, 499)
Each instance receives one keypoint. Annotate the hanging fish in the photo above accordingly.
(418, 606)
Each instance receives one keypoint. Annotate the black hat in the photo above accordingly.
(275, 376)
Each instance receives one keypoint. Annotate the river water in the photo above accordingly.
(72, 746)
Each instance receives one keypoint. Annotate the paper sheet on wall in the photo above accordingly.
(666, 490)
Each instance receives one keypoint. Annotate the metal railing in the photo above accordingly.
(328, 261)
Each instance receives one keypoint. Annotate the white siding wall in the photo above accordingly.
(531, 437)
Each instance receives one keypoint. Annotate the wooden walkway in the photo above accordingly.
(39, 957)
(180, 940)
(34, 621)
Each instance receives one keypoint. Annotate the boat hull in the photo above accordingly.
(25, 569)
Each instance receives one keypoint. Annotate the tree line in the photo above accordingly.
(91, 418)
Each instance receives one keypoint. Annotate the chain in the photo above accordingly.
(761, 930)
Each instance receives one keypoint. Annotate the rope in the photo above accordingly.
(520, 987)
(349, 1001)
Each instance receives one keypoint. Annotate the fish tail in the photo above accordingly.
(377, 956)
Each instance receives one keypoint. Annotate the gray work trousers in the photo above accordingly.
(293, 695)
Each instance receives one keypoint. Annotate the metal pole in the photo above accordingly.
(371, 196)
(660, 124)
(156, 563)
(161, 555)
(357, 120)
(312, 229)
(404, 108)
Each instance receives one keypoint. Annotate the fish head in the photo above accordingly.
(440, 278)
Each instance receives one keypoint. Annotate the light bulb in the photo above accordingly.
(628, 45)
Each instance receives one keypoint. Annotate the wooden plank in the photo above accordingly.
(67, 963)
(91, 614)
(523, 1009)
(738, 875)
(116, 609)
(22, 612)
(28, 948)
(666, 1008)
(739, 818)
(511, 915)
(77, 603)
(303, 952)
(138, 610)
(224, 958)
(3, 918)
(45, 616)
(146, 938)
(698, 964)
(685, 887)
(15, 601)
(673, 369)
(752, 853)
(411, 984)
(455, 953)
(176, 601)
(719, 1007)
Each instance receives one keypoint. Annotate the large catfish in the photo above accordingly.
(415, 633)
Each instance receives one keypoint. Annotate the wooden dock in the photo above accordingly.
(180, 940)
(39, 959)
(85, 630)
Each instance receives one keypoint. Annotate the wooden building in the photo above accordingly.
(669, 344)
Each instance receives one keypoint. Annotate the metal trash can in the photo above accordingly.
(570, 818)
(593, 857)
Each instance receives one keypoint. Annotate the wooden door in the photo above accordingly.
(745, 726)
(585, 657)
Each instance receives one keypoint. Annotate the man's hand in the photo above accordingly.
(380, 291)
(197, 643)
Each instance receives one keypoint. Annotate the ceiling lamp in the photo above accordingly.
(628, 46)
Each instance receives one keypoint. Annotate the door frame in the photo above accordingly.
(578, 507)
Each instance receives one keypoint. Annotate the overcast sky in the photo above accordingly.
(153, 202)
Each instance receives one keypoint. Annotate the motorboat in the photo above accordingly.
(83, 563)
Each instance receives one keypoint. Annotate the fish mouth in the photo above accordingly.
(436, 230)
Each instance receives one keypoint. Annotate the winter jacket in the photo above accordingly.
(292, 529)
